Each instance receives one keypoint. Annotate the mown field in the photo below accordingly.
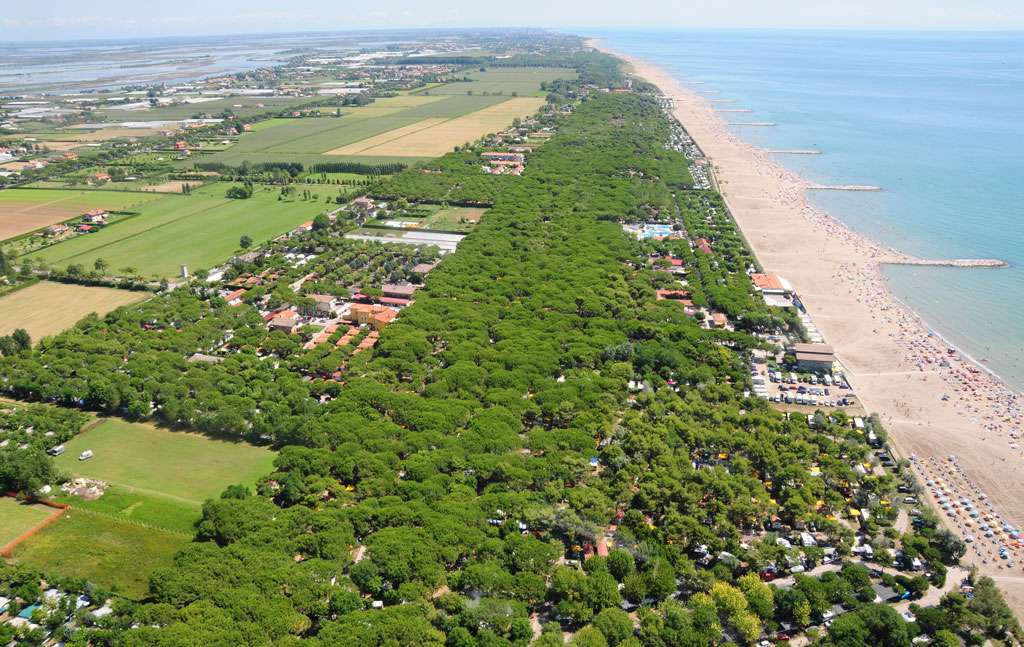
(48, 308)
(199, 230)
(523, 81)
(187, 467)
(101, 549)
(25, 210)
(17, 518)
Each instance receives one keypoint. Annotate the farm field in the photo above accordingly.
(524, 81)
(47, 308)
(183, 467)
(25, 210)
(99, 548)
(298, 139)
(439, 137)
(199, 230)
(17, 518)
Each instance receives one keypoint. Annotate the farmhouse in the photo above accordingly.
(95, 217)
(814, 357)
(56, 230)
(101, 176)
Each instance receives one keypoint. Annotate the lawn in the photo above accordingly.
(199, 230)
(185, 467)
(25, 210)
(17, 518)
(108, 552)
(47, 308)
(524, 81)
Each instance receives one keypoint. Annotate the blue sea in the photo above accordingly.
(936, 119)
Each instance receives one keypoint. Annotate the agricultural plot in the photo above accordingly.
(47, 308)
(523, 81)
(26, 210)
(17, 518)
(438, 138)
(308, 139)
(199, 230)
(101, 549)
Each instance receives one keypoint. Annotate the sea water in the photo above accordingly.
(936, 119)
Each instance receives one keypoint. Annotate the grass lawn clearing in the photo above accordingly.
(182, 466)
(199, 230)
(48, 308)
(17, 518)
(108, 552)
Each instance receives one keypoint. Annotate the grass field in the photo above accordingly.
(199, 230)
(25, 210)
(112, 553)
(439, 137)
(524, 81)
(17, 518)
(183, 467)
(47, 308)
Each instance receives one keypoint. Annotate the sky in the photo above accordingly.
(79, 19)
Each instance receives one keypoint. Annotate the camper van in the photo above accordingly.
(56, 451)
(86, 455)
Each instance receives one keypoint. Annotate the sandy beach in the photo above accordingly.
(951, 417)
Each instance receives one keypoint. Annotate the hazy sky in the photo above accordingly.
(65, 19)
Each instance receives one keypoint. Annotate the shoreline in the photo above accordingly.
(936, 404)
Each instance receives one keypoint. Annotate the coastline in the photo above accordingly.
(935, 405)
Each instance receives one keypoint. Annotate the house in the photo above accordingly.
(325, 304)
(394, 302)
(95, 217)
(84, 229)
(234, 298)
(398, 290)
(56, 230)
(365, 204)
(181, 145)
(101, 176)
(814, 357)
(286, 321)
(718, 320)
(704, 245)
(770, 284)
(374, 315)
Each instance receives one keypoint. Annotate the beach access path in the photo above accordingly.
(891, 362)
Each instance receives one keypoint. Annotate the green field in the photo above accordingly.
(25, 210)
(17, 518)
(108, 552)
(311, 137)
(199, 230)
(184, 467)
(524, 81)
(249, 107)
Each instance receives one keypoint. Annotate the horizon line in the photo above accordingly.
(567, 30)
